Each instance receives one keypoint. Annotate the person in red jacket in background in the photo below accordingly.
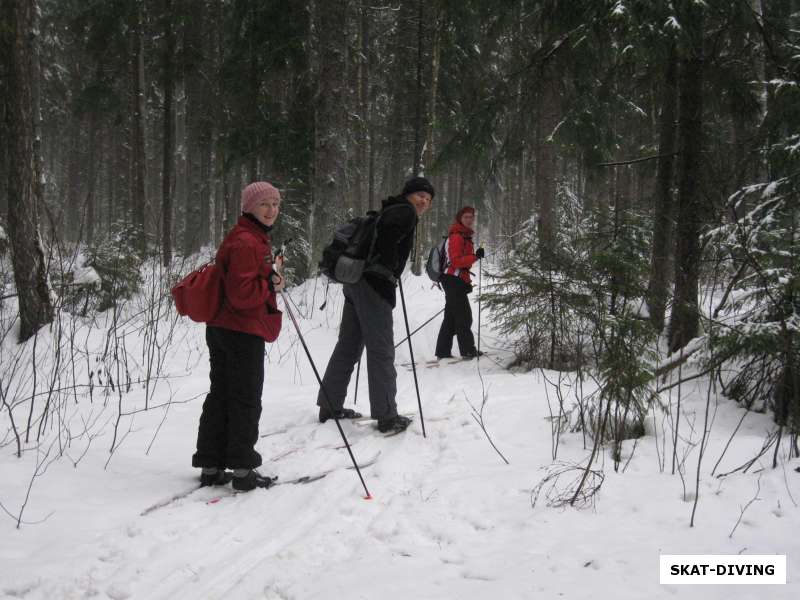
(460, 256)
(248, 318)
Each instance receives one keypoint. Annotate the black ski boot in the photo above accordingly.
(394, 425)
(220, 477)
(253, 480)
(342, 413)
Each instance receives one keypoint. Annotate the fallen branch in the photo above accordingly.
(746, 506)
(583, 488)
(771, 438)
(636, 160)
(478, 416)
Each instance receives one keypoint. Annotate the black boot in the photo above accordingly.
(220, 477)
(342, 413)
(471, 354)
(393, 425)
(253, 480)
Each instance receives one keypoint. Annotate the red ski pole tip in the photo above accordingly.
(368, 497)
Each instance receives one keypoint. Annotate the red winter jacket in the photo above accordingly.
(249, 304)
(460, 252)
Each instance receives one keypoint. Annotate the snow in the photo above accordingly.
(448, 518)
(771, 189)
(87, 276)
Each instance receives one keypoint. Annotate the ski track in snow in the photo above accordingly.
(448, 518)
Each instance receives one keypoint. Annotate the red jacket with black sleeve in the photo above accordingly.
(249, 304)
(460, 252)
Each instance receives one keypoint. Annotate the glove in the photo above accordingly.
(276, 282)
(480, 253)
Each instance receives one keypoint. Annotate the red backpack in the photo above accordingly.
(199, 294)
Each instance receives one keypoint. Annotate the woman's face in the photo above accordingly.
(468, 219)
(266, 211)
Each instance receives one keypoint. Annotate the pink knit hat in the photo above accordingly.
(256, 192)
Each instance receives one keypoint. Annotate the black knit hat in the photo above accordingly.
(418, 184)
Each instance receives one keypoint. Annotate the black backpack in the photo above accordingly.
(346, 256)
(437, 262)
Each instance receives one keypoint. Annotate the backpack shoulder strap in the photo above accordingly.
(375, 229)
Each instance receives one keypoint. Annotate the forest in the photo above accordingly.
(635, 165)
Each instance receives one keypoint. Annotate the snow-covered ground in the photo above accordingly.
(447, 519)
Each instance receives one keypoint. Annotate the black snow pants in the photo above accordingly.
(228, 429)
(457, 318)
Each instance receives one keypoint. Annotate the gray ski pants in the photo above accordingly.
(366, 321)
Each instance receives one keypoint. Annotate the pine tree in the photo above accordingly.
(17, 27)
(685, 318)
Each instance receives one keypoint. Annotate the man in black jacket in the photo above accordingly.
(367, 314)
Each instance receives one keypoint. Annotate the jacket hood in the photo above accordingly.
(461, 229)
(391, 200)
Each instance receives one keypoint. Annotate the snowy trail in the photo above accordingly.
(248, 532)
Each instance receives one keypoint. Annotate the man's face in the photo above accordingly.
(421, 202)
(267, 211)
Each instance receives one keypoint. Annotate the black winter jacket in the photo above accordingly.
(393, 245)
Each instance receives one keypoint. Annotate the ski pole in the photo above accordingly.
(397, 345)
(480, 270)
(411, 351)
(358, 372)
(325, 394)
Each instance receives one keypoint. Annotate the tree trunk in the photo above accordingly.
(684, 321)
(775, 13)
(70, 209)
(27, 256)
(362, 90)
(433, 89)
(664, 211)
(419, 97)
(546, 164)
(89, 208)
(195, 220)
(169, 135)
(219, 209)
(205, 186)
(4, 135)
(371, 90)
(138, 162)
(328, 185)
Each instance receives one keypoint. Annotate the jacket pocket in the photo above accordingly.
(271, 319)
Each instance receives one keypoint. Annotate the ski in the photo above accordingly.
(325, 472)
(338, 445)
(174, 498)
(430, 364)
(302, 479)
(274, 432)
(461, 359)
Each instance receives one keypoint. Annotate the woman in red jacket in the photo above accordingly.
(249, 317)
(460, 256)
